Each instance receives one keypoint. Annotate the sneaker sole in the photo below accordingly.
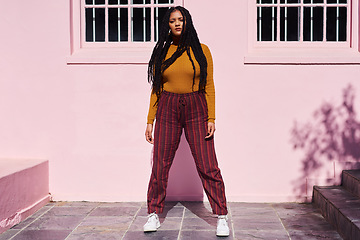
(151, 229)
(222, 234)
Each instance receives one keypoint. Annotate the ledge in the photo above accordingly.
(10, 166)
(24, 188)
(298, 56)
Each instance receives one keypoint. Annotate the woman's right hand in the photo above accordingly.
(148, 133)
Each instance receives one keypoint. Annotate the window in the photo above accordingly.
(121, 21)
(303, 20)
(303, 32)
(115, 31)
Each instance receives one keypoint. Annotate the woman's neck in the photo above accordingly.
(175, 40)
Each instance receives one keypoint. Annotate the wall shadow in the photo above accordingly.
(197, 209)
(184, 183)
(333, 134)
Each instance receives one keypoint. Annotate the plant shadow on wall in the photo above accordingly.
(333, 135)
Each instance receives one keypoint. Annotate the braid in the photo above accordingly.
(189, 39)
(193, 65)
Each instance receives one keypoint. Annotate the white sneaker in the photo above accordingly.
(222, 229)
(152, 223)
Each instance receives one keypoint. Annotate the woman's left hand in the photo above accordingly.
(211, 130)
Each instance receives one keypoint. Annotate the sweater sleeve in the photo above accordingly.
(210, 87)
(152, 108)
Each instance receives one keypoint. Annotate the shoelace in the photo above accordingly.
(151, 217)
(222, 220)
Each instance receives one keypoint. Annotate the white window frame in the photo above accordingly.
(82, 52)
(303, 52)
(302, 5)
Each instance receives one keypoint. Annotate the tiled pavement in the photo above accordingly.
(180, 220)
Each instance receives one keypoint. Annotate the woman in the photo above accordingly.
(183, 96)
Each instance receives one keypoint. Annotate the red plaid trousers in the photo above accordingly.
(189, 112)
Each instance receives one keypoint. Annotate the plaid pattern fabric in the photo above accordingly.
(189, 112)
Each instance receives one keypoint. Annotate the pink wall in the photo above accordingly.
(89, 119)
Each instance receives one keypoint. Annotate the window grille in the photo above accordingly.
(123, 20)
(303, 20)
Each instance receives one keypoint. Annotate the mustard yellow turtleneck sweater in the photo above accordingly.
(178, 78)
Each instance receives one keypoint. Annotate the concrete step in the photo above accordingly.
(340, 208)
(24, 188)
(351, 181)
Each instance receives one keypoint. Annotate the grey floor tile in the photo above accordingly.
(42, 235)
(69, 211)
(105, 224)
(257, 219)
(159, 235)
(24, 223)
(292, 209)
(55, 223)
(122, 204)
(202, 235)
(114, 211)
(196, 207)
(143, 211)
(306, 222)
(199, 224)
(314, 235)
(8, 234)
(41, 211)
(176, 211)
(201, 212)
(96, 235)
(293, 205)
(257, 224)
(76, 204)
(240, 211)
(261, 234)
(249, 205)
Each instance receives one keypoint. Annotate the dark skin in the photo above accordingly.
(176, 24)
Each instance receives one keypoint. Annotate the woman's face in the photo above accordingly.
(176, 23)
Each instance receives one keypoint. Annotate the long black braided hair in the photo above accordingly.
(189, 39)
